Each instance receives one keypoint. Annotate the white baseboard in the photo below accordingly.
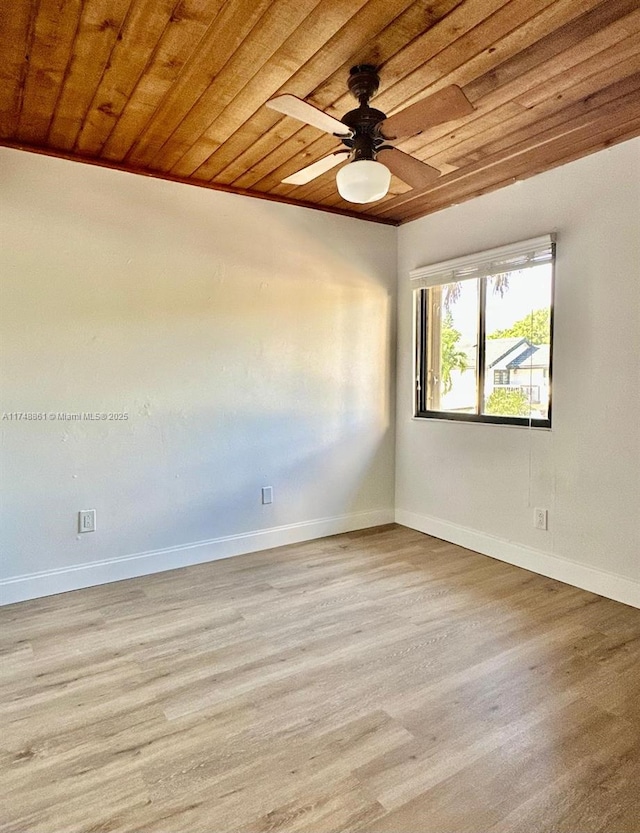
(77, 576)
(598, 581)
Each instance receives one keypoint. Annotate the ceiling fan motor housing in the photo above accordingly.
(363, 82)
(364, 120)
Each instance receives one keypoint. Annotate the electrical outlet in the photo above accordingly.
(540, 518)
(87, 520)
(267, 495)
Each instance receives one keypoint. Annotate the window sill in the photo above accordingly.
(453, 420)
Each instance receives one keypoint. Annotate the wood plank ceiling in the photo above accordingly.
(176, 88)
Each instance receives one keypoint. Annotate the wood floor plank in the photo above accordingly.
(379, 681)
(498, 783)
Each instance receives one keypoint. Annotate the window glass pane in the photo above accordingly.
(517, 343)
(452, 347)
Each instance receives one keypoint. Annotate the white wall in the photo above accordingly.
(249, 342)
(477, 484)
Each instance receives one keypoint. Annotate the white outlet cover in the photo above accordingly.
(540, 518)
(87, 520)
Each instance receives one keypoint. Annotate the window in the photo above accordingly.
(484, 336)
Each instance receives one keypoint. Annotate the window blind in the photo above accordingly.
(483, 264)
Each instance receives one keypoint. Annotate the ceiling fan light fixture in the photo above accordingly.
(363, 181)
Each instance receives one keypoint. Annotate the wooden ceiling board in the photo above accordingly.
(589, 18)
(176, 88)
(480, 42)
(584, 133)
(228, 33)
(519, 128)
(553, 103)
(243, 149)
(269, 80)
(531, 166)
(17, 29)
(239, 155)
(54, 32)
(546, 97)
(95, 38)
(563, 82)
(184, 36)
(486, 106)
(395, 87)
(257, 51)
(496, 94)
(141, 32)
(262, 159)
(506, 95)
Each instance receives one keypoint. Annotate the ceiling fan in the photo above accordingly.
(365, 133)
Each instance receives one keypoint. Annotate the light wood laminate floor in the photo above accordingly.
(379, 681)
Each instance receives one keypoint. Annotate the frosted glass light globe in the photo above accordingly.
(363, 181)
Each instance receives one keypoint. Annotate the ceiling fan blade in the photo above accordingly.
(295, 107)
(415, 173)
(445, 105)
(314, 170)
